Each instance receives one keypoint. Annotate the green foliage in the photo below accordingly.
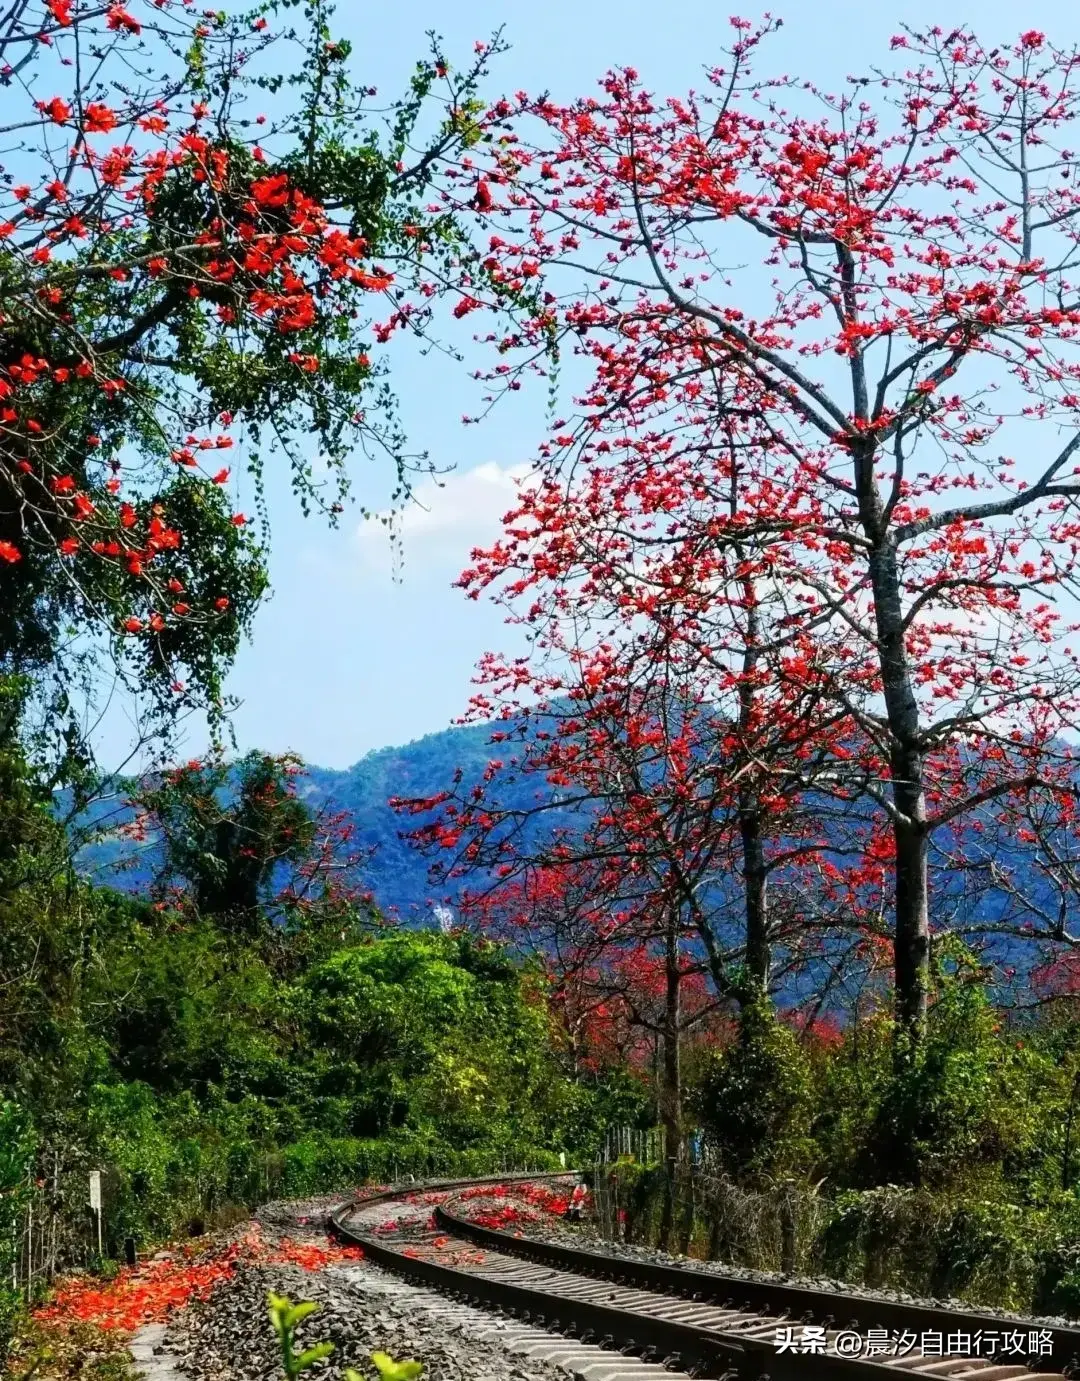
(951, 1104)
(1014, 1256)
(757, 1098)
(977, 1104)
(984, 1122)
(210, 1077)
(980, 1106)
(427, 1031)
(593, 1103)
(389, 1370)
(16, 1156)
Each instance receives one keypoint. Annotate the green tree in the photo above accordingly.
(242, 846)
(428, 1032)
(205, 237)
(225, 828)
(757, 1099)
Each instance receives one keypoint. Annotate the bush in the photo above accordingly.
(964, 1109)
(757, 1100)
(982, 1250)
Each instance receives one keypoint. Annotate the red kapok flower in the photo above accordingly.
(118, 18)
(56, 109)
(271, 191)
(99, 119)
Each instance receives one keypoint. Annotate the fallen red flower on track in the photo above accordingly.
(151, 1292)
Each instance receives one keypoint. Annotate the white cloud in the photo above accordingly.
(446, 520)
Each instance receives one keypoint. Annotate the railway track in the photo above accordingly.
(584, 1308)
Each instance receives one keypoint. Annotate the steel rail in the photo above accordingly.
(784, 1300)
(704, 1352)
(732, 1341)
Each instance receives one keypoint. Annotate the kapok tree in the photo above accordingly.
(624, 976)
(552, 916)
(909, 333)
(664, 682)
(631, 829)
(626, 981)
(196, 256)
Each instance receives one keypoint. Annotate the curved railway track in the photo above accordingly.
(679, 1319)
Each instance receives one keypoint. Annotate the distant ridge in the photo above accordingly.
(398, 873)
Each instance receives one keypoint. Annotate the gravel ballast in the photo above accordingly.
(363, 1309)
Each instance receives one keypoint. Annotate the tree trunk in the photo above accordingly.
(911, 925)
(911, 960)
(755, 877)
(1066, 1153)
(758, 957)
(671, 1083)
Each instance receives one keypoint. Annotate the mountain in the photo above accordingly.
(398, 873)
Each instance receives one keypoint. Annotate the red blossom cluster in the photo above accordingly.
(536, 1200)
(269, 242)
(177, 285)
(794, 560)
(508, 1215)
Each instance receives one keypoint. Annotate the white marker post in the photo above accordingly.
(95, 1202)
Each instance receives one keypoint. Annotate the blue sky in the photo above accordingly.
(344, 658)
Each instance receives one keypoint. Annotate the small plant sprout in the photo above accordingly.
(284, 1315)
(389, 1370)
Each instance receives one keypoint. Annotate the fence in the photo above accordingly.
(643, 1145)
(50, 1226)
(711, 1217)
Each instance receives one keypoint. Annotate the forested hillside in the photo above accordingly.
(397, 872)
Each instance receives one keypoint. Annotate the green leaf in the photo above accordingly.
(311, 1356)
(301, 1311)
(389, 1370)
